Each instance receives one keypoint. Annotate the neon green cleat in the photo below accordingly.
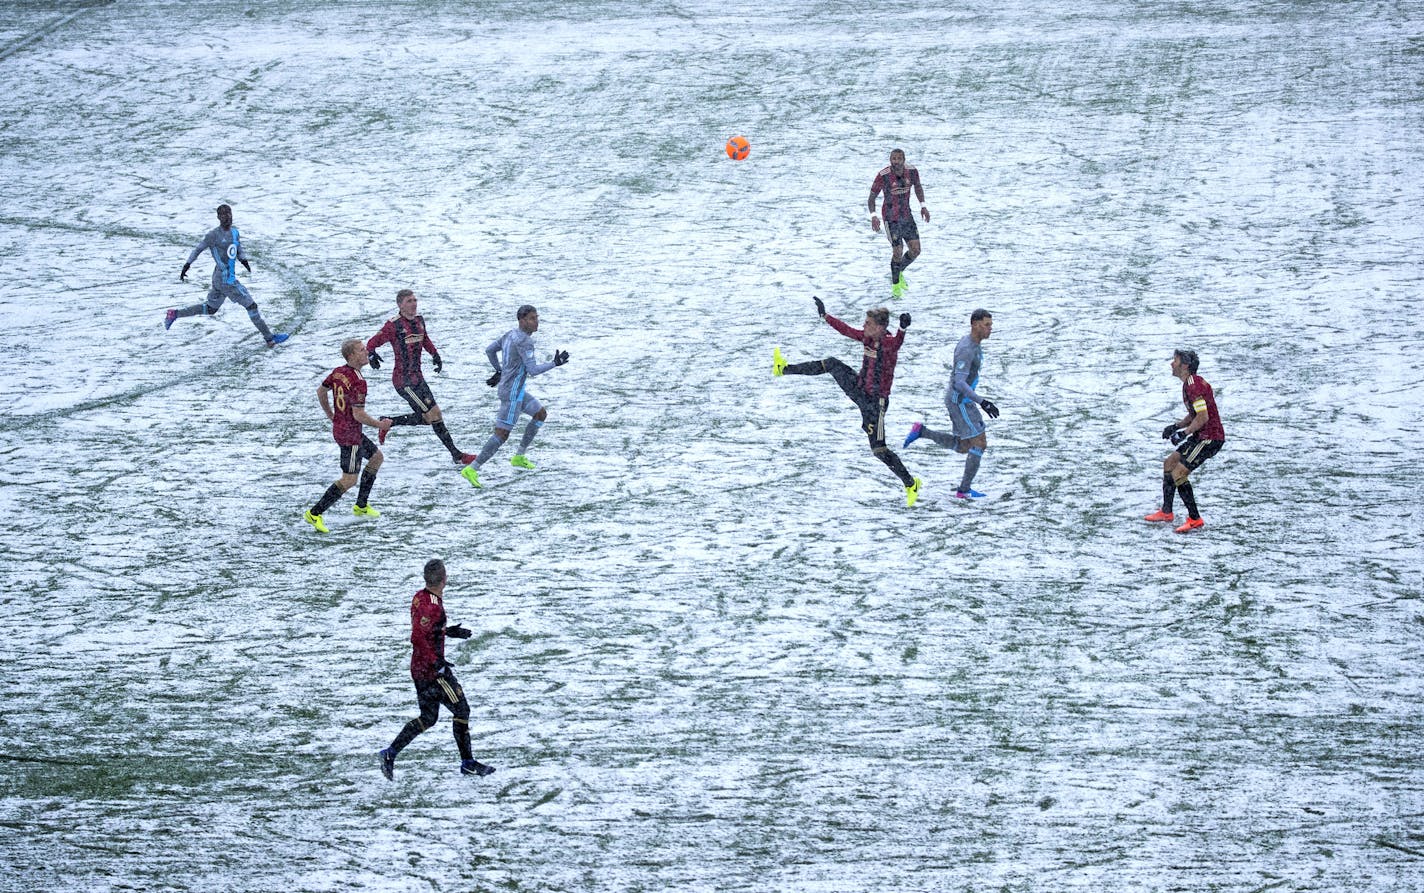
(912, 493)
(778, 362)
(315, 521)
(899, 288)
(471, 474)
(518, 461)
(365, 511)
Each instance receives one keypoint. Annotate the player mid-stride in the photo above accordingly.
(512, 356)
(964, 403)
(897, 181)
(435, 682)
(1197, 437)
(870, 390)
(342, 396)
(225, 244)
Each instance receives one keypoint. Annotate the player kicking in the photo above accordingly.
(406, 334)
(342, 396)
(512, 357)
(435, 681)
(969, 434)
(870, 390)
(225, 244)
(1197, 437)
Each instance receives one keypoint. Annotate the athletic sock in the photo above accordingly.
(889, 458)
(256, 316)
(895, 268)
(407, 735)
(489, 449)
(971, 468)
(462, 738)
(814, 367)
(368, 478)
(195, 310)
(531, 431)
(444, 434)
(327, 500)
(1189, 498)
(906, 260)
(1169, 490)
(942, 438)
(410, 418)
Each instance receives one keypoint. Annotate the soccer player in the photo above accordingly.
(342, 396)
(512, 357)
(225, 245)
(435, 682)
(896, 181)
(1197, 437)
(964, 403)
(870, 390)
(406, 334)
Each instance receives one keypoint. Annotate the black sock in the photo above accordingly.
(814, 367)
(462, 738)
(327, 500)
(410, 418)
(444, 434)
(407, 735)
(907, 260)
(368, 477)
(1169, 488)
(1189, 498)
(895, 268)
(892, 460)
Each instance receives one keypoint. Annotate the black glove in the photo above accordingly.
(561, 357)
(375, 360)
(1178, 436)
(820, 307)
(1168, 431)
(183, 273)
(493, 379)
(438, 363)
(990, 409)
(245, 264)
(457, 632)
(904, 320)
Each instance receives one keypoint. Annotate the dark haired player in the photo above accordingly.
(225, 244)
(1197, 437)
(963, 402)
(342, 396)
(896, 181)
(406, 334)
(435, 682)
(870, 390)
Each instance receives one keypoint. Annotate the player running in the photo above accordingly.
(1197, 437)
(225, 244)
(896, 181)
(435, 681)
(969, 434)
(870, 390)
(406, 334)
(342, 396)
(512, 357)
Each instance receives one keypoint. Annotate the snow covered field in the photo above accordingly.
(714, 651)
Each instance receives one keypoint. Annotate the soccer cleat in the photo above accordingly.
(969, 494)
(899, 288)
(277, 338)
(388, 764)
(365, 511)
(471, 474)
(778, 362)
(912, 493)
(475, 767)
(1160, 515)
(168, 319)
(315, 521)
(465, 458)
(914, 434)
(1191, 524)
(519, 461)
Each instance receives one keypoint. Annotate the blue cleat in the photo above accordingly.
(475, 767)
(914, 434)
(168, 319)
(277, 338)
(969, 494)
(388, 764)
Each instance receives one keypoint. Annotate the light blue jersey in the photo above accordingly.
(226, 248)
(968, 360)
(513, 356)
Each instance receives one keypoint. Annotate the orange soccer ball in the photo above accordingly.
(738, 148)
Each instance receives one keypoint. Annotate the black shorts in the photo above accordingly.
(1194, 452)
(902, 231)
(418, 396)
(352, 456)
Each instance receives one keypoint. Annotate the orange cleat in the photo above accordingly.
(1192, 524)
(1160, 516)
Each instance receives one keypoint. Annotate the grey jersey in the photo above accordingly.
(226, 248)
(513, 356)
(968, 358)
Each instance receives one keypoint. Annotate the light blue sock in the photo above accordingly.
(489, 449)
(971, 468)
(531, 431)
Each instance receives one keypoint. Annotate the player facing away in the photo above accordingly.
(225, 244)
(968, 434)
(342, 396)
(435, 682)
(1197, 437)
(406, 334)
(896, 181)
(512, 356)
(870, 390)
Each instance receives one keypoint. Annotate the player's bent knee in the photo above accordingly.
(541, 415)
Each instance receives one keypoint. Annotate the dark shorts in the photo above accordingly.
(352, 456)
(902, 231)
(418, 396)
(1194, 452)
(444, 691)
